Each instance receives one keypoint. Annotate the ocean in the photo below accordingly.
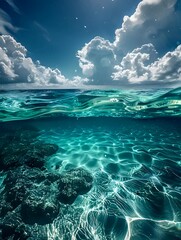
(90, 164)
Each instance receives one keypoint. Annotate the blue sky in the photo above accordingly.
(99, 42)
(53, 31)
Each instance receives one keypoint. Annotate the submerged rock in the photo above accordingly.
(35, 157)
(40, 207)
(18, 182)
(12, 227)
(23, 148)
(43, 149)
(38, 194)
(34, 192)
(5, 207)
(73, 183)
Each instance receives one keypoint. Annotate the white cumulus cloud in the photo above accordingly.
(154, 21)
(146, 50)
(16, 67)
(134, 66)
(167, 68)
(143, 50)
(97, 60)
(138, 67)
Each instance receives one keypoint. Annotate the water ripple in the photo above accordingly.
(21, 105)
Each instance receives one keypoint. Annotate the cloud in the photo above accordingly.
(146, 50)
(78, 81)
(5, 23)
(142, 65)
(97, 60)
(43, 31)
(13, 5)
(168, 67)
(143, 50)
(16, 67)
(154, 21)
(134, 66)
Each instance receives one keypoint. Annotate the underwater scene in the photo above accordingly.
(90, 164)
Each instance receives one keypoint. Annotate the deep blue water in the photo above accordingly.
(103, 165)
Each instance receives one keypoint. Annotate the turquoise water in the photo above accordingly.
(102, 165)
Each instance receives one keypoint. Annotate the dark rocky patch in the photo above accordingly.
(32, 196)
(33, 190)
(12, 227)
(18, 182)
(21, 147)
(34, 161)
(40, 206)
(73, 183)
(5, 207)
(35, 156)
(10, 231)
(38, 194)
(44, 149)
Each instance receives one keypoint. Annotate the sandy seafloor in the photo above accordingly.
(94, 165)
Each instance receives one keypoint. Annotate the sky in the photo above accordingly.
(66, 43)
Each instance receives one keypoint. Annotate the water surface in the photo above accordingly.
(95, 164)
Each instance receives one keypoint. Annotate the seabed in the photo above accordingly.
(94, 165)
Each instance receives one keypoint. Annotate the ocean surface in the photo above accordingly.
(90, 165)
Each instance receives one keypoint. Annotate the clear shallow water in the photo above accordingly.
(134, 160)
(79, 103)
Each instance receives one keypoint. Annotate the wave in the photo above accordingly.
(23, 105)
